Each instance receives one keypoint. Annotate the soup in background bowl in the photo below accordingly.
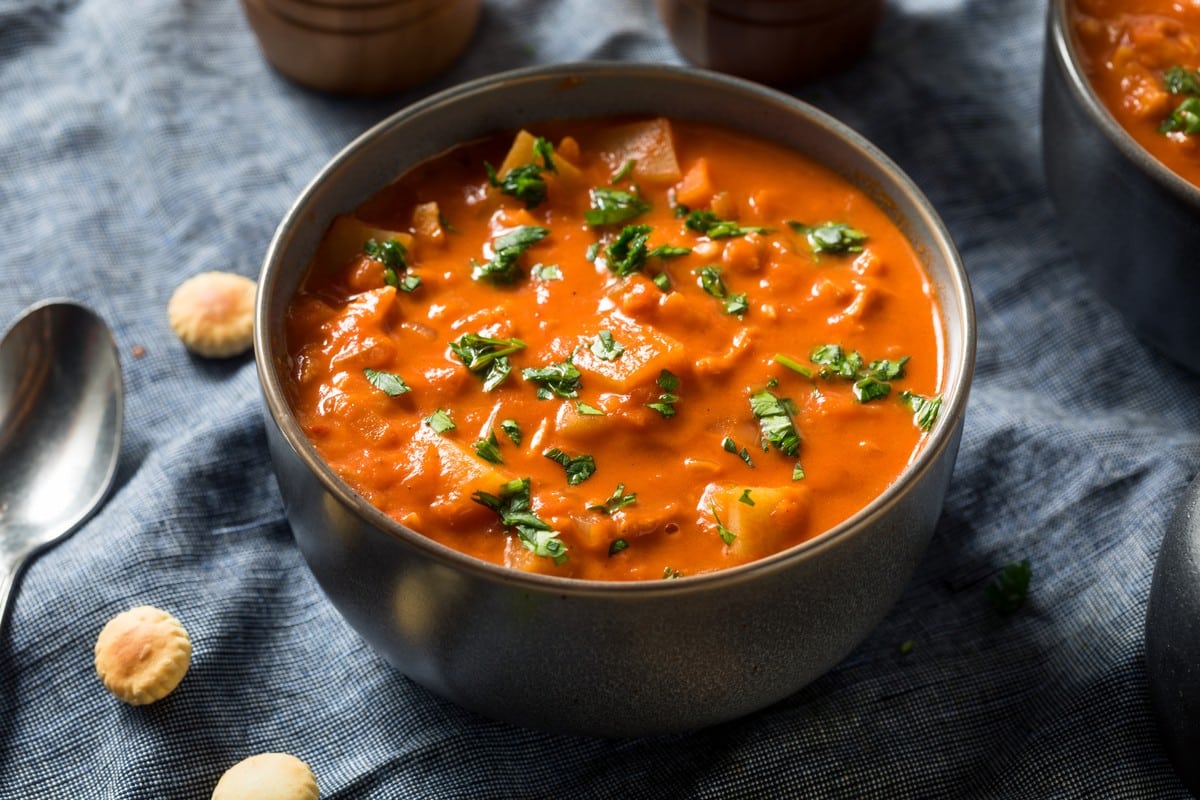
(1119, 161)
(464, 600)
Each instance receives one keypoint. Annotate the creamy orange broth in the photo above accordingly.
(1126, 47)
(696, 506)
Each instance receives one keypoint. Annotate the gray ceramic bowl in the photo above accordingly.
(1134, 224)
(611, 659)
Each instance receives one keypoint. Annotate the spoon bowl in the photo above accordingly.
(61, 415)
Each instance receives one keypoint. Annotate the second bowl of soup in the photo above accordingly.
(1121, 150)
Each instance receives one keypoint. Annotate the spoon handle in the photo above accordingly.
(9, 568)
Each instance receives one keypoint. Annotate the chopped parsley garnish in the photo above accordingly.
(489, 449)
(830, 237)
(617, 546)
(627, 253)
(711, 281)
(710, 225)
(487, 357)
(727, 536)
(925, 409)
(669, 251)
(579, 468)
(606, 348)
(662, 281)
(1185, 117)
(561, 380)
(613, 206)
(670, 574)
(872, 382)
(546, 272)
(775, 421)
(793, 365)
(514, 507)
(745, 498)
(624, 172)
(616, 501)
(592, 251)
(731, 447)
(665, 405)
(512, 430)
(1008, 591)
(503, 268)
(588, 410)
(440, 421)
(525, 182)
(1178, 80)
(797, 472)
(389, 383)
(394, 257)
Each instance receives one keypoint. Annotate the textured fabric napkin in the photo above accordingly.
(142, 141)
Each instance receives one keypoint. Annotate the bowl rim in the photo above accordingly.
(954, 394)
(1061, 46)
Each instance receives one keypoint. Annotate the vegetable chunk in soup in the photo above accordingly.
(617, 349)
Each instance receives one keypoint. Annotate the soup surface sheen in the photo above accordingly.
(681, 349)
(1141, 57)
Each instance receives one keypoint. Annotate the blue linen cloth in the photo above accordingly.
(143, 141)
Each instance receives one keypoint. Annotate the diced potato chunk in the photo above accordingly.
(763, 528)
(521, 153)
(647, 352)
(427, 222)
(460, 472)
(345, 239)
(649, 144)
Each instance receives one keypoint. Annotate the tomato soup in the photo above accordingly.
(1142, 57)
(618, 349)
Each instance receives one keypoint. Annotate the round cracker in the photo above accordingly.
(267, 776)
(213, 313)
(142, 654)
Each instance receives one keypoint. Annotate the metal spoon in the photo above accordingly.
(61, 413)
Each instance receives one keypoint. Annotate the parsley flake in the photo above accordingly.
(665, 405)
(1008, 591)
(710, 225)
(440, 421)
(727, 536)
(830, 237)
(775, 421)
(617, 546)
(526, 182)
(925, 409)
(389, 383)
(616, 501)
(730, 446)
(503, 269)
(579, 468)
(486, 356)
(606, 348)
(561, 380)
(393, 255)
(613, 206)
(514, 505)
(489, 448)
(512, 430)
(588, 410)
